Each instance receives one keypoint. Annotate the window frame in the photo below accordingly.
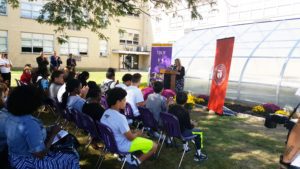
(6, 40)
(6, 11)
(32, 39)
(106, 53)
(32, 5)
(78, 46)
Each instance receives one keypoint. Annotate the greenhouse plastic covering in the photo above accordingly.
(265, 65)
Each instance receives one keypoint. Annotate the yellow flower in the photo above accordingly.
(282, 112)
(258, 109)
(199, 100)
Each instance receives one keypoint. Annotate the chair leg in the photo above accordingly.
(103, 156)
(76, 131)
(89, 142)
(123, 163)
(162, 144)
(160, 135)
(181, 159)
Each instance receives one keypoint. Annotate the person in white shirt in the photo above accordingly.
(127, 141)
(5, 66)
(126, 81)
(134, 95)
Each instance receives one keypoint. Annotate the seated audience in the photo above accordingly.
(186, 126)
(67, 76)
(109, 82)
(57, 80)
(134, 95)
(43, 82)
(26, 76)
(126, 81)
(126, 140)
(83, 77)
(27, 139)
(73, 96)
(92, 106)
(157, 103)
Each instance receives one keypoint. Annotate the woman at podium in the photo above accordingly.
(179, 86)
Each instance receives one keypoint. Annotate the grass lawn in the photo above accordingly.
(98, 77)
(230, 143)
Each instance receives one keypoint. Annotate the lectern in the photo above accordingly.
(169, 78)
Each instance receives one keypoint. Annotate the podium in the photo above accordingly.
(169, 78)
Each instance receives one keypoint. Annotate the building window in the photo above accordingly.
(3, 7)
(129, 37)
(76, 46)
(3, 41)
(103, 48)
(134, 14)
(35, 43)
(30, 10)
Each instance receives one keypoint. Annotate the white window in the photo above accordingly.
(129, 37)
(103, 48)
(3, 7)
(3, 41)
(35, 43)
(76, 46)
(31, 10)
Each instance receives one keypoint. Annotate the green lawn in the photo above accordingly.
(230, 143)
(94, 76)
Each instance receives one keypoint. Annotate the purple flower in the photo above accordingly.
(271, 108)
(147, 91)
(168, 93)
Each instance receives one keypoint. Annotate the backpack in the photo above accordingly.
(106, 86)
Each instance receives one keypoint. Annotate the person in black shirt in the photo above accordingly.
(42, 62)
(179, 86)
(83, 77)
(71, 63)
(92, 107)
(187, 126)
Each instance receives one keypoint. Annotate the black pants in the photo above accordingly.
(6, 78)
(4, 163)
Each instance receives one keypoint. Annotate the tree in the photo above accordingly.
(96, 14)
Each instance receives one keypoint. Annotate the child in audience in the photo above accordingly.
(126, 81)
(83, 77)
(92, 106)
(57, 80)
(186, 126)
(134, 95)
(26, 76)
(155, 102)
(42, 80)
(28, 142)
(109, 82)
(126, 140)
(71, 99)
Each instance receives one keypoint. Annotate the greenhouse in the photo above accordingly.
(265, 61)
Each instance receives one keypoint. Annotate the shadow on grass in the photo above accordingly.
(230, 143)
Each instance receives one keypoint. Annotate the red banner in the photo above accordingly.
(220, 74)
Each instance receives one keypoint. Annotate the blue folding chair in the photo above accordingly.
(172, 129)
(103, 102)
(110, 144)
(128, 112)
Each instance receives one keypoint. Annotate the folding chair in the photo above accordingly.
(89, 126)
(128, 112)
(103, 102)
(172, 129)
(149, 121)
(110, 144)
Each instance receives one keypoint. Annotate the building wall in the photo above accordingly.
(14, 24)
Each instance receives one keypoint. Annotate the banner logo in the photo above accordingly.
(220, 74)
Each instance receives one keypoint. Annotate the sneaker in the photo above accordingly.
(202, 157)
(187, 150)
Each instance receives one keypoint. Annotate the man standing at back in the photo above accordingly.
(134, 94)
(71, 63)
